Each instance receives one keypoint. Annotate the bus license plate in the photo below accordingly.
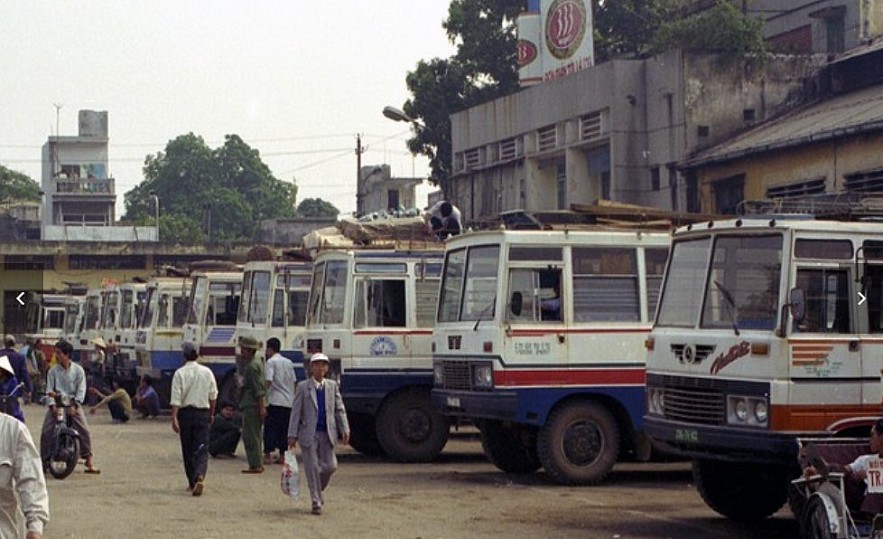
(454, 402)
(687, 435)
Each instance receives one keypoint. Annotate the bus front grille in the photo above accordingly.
(457, 375)
(694, 405)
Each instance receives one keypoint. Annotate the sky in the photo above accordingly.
(296, 80)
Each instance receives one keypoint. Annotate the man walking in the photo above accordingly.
(318, 419)
(280, 393)
(194, 393)
(251, 403)
(24, 501)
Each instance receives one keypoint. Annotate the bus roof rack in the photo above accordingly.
(602, 213)
(831, 206)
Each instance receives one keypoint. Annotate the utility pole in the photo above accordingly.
(360, 194)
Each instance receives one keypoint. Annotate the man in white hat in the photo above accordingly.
(318, 420)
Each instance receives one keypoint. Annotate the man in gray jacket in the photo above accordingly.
(318, 420)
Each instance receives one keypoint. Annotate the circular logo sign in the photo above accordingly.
(565, 27)
(527, 52)
(383, 346)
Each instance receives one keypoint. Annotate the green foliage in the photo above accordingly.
(625, 28)
(229, 188)
(316, 207)
(722, 29)
(484, 68)
(17, 186)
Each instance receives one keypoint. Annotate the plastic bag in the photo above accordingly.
(290, 479)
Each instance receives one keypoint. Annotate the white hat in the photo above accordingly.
(5, 365)
(99, 342)
(319, 357)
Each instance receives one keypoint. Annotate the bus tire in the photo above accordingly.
(743, 492)
(363, 434)
(409, 429)
(579, 443)
(512, 449)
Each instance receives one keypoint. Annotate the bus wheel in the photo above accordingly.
(363, 434)
(409, 429)
(579, 444)
(512, 449)
(741, 491)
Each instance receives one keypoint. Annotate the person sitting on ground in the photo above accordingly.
(11, 388)
(146, 399)
(226, 429)
(119, 403)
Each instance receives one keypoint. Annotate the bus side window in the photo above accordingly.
(874, 282)
(827, 301)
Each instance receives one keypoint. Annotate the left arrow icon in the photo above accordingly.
(18, 298)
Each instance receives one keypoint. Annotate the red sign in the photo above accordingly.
(565, 27)
(527, 52)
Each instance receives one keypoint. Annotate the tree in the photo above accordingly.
(17, 186)
(206, 194)
(316, 207)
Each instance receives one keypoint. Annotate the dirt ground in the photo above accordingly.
(141, 492)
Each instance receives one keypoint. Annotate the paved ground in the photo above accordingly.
(141, 493)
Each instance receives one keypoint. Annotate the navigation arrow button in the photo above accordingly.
(19, 300)
(863, 298)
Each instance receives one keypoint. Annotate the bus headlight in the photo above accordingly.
(438, 374)
(483, 376)
(748, 411)
(656, 400)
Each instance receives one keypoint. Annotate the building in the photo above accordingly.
(829, 145)
(615, 131)
(80, 192)
(382, 192)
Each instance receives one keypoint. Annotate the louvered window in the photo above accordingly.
(809, 187)
(547, 138)
(507, 149)
(590, 126)
(870, 181)
(473, 159)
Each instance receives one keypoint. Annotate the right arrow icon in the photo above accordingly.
(863, 298)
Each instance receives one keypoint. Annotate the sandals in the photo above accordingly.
(93, 470)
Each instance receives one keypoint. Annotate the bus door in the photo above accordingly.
(538, 309)
(380, 322)
(824, 342)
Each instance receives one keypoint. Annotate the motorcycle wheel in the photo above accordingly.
(64, 458)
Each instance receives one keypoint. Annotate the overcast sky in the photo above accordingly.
(296, 80)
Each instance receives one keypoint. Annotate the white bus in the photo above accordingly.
(91, 326)
(768, 329)
(540, 342)
(122, 305)
(160, 332)
(371, 312)
(211, 322)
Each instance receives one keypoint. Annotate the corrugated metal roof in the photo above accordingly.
(856, 112)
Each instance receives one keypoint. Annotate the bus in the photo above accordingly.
(73, 321)
(211, 322)
(539, 340)
(769, 328)
(123, 304)
(91, 326)
(160, 332)
(371, 312)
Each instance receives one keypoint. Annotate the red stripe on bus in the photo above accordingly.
(394, 332)
(569, 377)
(550, 331)
(217, 351)
(815, 417)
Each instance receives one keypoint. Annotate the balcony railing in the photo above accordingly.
(85, 186)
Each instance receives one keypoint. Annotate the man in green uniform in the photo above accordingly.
(251, 403)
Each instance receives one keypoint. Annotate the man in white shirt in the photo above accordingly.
(24, 501)
(279, 372)
(445, 219)
(194, 393)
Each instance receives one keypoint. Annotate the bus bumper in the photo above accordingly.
(497, 405)
(722, 442)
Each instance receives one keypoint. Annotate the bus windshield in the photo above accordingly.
(197, 294)
(469, 284)
(722, 282)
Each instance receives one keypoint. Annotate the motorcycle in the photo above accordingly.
(65, 438)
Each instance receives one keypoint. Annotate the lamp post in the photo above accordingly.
(155, 197)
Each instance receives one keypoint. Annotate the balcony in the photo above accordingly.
(85, 186)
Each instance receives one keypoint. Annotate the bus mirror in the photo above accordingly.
(797, 302)
(515, 304)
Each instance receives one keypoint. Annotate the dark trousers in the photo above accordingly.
(276, 429)
(48, 431)
(224, 444)
(193, 423)
(149, 407)
(117, 411)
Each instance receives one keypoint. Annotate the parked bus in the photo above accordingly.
(371, 312)
(540, 341)
(73, 322)
(211, 322)
(274, 304)
(768, 329)
(91, 327)
(123, 304)
(160, 332)
(44, 316)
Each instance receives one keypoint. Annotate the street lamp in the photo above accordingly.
(398, 115)
(155, 197)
